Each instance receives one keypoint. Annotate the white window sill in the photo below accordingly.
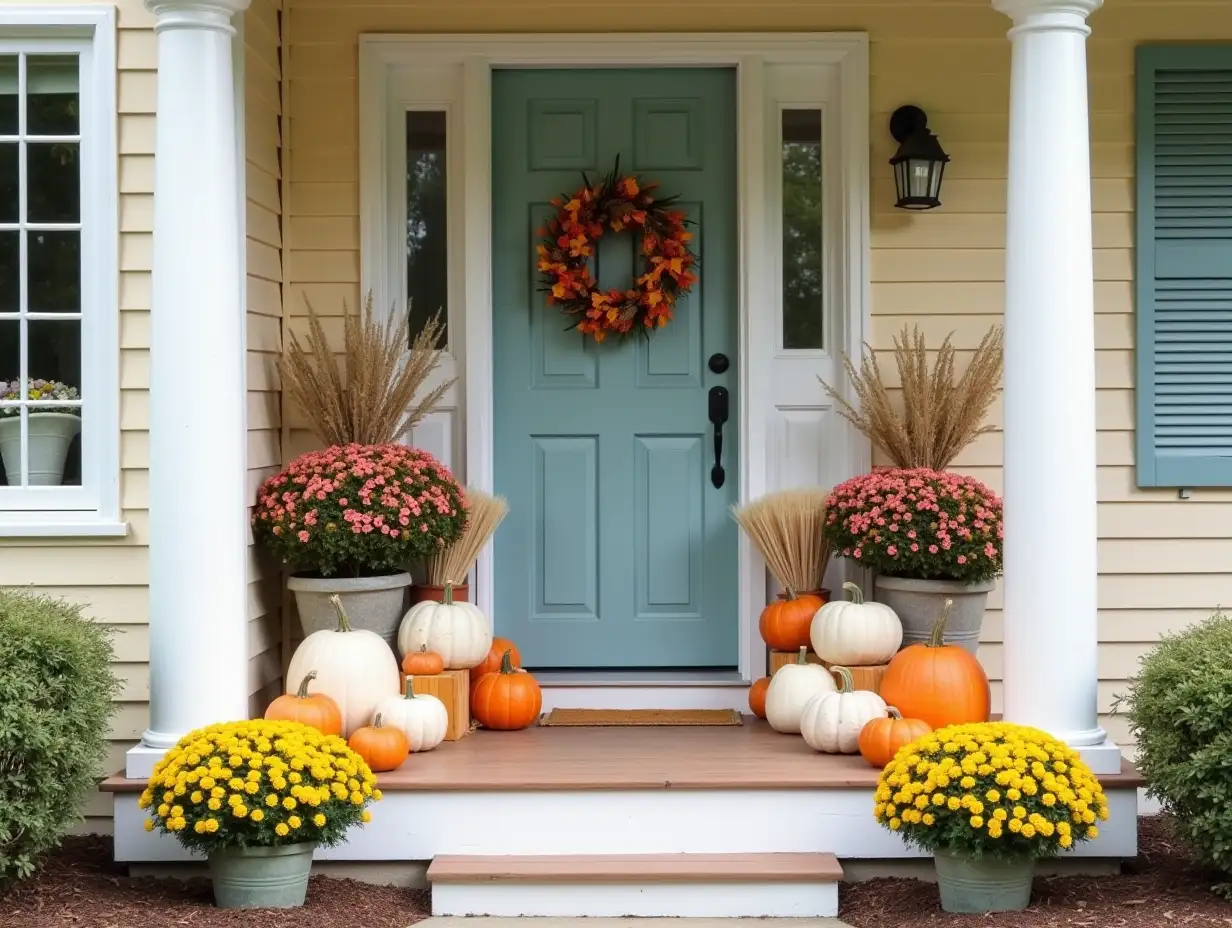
(70, 525)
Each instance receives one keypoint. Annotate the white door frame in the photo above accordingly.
(459, 68)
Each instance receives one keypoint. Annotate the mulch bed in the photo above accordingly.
(79, 886)
(1162, 887)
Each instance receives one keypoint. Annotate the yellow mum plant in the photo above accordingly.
(258, 784)
(990, 790)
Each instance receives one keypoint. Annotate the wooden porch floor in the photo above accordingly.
(751, 756)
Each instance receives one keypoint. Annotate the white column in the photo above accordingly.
(1051, 570)
(198, 431)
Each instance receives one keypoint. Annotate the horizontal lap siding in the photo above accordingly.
(1160, 558)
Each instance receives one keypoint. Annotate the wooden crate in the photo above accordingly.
(453, 688)
(864, 678)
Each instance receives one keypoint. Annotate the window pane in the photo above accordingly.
(52, 106)
(55, 271)
(53, 182)
(427, 246)
(803, 304)
(55, 351)
(10, 181)
(10, 277)
(8, 95)
(10, 371)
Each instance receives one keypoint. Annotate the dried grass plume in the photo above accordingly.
(374, 401)
(454, 563)
(936, 416)
(786, 528)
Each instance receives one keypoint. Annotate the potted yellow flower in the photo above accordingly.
(988, 800)
(258, 798)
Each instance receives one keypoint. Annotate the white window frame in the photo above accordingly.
(92, 509)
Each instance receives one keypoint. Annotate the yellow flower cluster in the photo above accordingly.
(990, 788)
(255, 783)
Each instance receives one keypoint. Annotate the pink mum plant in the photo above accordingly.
(920, 523)
(359, 510)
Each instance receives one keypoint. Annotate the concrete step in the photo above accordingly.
(645, 885)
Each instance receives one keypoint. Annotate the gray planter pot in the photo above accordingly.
(919, 602)
(261, 877)
(373, 603)
(979, 886)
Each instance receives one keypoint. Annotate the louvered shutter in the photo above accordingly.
(1184, 266)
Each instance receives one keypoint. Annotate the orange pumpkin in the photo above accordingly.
(785, 624)
(942, 684)
(757, 697)
(492, 663)
(382, 747)
(880, 739)
(422, 663)
(508, 700)
(315, 709)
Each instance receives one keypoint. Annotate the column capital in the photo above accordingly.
(1048, 15)
(212, 15)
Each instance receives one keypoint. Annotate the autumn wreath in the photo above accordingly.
(619, 203)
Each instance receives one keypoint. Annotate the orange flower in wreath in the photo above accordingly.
(620, 203)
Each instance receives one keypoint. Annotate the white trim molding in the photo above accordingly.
(454, 73)
(87, 31)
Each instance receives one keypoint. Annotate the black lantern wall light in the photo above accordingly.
(920, 161)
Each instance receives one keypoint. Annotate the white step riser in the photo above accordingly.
(654, 900)
(421, 825)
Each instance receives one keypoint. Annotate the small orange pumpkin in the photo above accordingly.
(422, 663)
(492, 663)
(757, 697)
(785, 624)
(880, 739)
(382, 747)
(315, 709)
(942, 684)
(506, 701)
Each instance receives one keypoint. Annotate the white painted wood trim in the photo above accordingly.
(385, 58)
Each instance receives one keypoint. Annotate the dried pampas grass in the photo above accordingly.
(454, 563)
(374, 401)
(937, 416)
(786, 528)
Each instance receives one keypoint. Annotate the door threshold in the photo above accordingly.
(640, 678)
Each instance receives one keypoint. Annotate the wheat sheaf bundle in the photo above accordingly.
(373, 402)
(937, 415)
(786, 528)
(454, 563)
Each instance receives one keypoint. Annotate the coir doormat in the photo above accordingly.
(633, 718)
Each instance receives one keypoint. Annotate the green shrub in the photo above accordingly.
(56, 690)
(1180, 711)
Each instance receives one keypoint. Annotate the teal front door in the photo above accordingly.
(619, 551)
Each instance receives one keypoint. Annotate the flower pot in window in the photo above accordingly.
(49, 435)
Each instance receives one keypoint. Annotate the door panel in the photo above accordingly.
(618, 552)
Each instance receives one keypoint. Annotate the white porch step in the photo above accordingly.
(644, 885)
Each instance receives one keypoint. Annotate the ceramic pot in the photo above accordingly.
(373, 603)
(979, 886)
(50, 434)
(261, 877)
(919, 602)
(422, 593)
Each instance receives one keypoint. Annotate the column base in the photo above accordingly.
(139, 761)
(1103, 758)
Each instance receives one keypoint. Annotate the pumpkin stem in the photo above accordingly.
(791, 594)
(302, 692)
(379, 721)
(802, 657)
(408, 688)
(937, 638)
(894, 713)
(846, 684)
(448, 597)
(507, 661)
(344, 624)
(857, 595)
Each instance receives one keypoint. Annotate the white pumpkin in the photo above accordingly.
(458, 632)
(855, 633)
(831, 722)
(422, 718)
(791, 688)
(355, 668)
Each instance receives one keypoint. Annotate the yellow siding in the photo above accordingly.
(1160, 558)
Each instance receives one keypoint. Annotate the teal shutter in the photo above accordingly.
(1184, 266)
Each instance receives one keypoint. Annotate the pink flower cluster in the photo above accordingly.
(926, 524)
(359, 509)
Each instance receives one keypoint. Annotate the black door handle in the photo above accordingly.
(718, 416)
